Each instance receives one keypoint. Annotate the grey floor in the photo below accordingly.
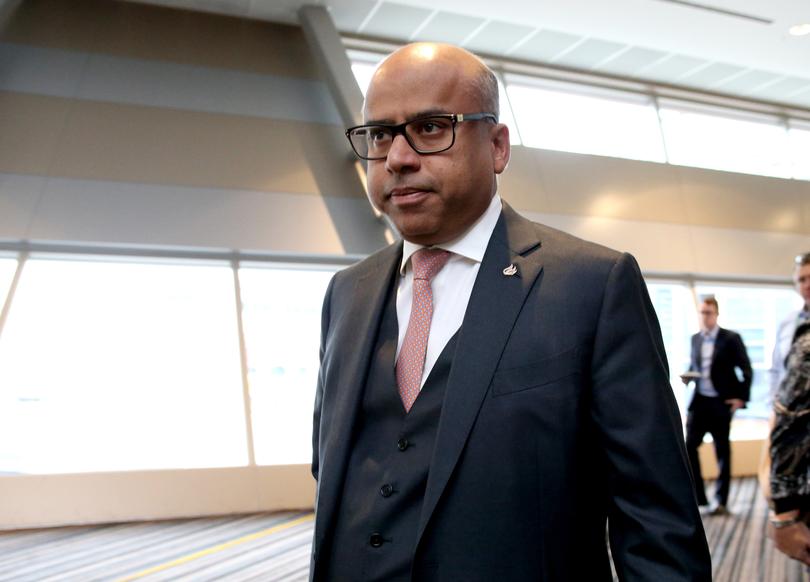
(275, 547)
(261, 547)
(741, 550)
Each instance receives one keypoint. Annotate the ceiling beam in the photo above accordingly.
(371, 231)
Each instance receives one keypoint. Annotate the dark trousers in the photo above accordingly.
(710, 415)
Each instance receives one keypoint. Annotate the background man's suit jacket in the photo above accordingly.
(729, 353)
(558, 415)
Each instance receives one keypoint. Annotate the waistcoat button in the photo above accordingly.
(375, 540)
(386, 490)
(402, 444)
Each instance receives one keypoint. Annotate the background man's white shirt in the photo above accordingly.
(784, 338)
(705, 386)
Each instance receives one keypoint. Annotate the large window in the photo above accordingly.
(507, 116)
(676, 315)
(559, 117)
(363, 71)
(110, 364)
(711, 139)
(128, 364)
(7, 268)
(282, 315)
(117, 366)
(754, 313)
(799, 146)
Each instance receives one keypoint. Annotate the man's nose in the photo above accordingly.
(402, 157)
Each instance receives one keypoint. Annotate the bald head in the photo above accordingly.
(443, 95)
(469, 73)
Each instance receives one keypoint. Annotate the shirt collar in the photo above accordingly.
(712, 333)
(471, 245)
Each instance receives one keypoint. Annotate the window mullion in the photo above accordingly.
(243, 364)
(21, 260)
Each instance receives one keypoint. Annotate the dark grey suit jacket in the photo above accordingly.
(558, 418)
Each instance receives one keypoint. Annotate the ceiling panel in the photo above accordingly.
(396, 21)
(449, 27)
(235, 7)
(497, 37)
(669, 41)
(787, 86)
(801, 99)
(350, 14)
(712, 75)
(747, 82)
(279, 10)
(545, 45)
(588, 54)
(631, 61)
(672, 68)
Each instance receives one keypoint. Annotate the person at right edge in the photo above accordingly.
(785, 333)
(717, 355)
(787, 327)
(790, 453)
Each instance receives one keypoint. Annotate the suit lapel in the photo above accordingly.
(356, 338)
(719, 342)
(496, 300)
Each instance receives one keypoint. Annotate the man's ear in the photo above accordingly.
(500, 147)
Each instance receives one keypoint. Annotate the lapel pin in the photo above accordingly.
(510, 270)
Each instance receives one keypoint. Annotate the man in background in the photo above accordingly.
(722, 387)
(787, 327)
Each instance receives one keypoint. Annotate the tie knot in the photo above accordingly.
(427, 262)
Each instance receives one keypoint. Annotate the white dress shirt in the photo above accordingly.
(452, 286)
(784, 339)
(705, 386)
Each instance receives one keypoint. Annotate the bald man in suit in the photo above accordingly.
(493, 393)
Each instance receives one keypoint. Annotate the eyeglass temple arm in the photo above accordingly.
(476, 116)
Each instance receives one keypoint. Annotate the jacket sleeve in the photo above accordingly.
(654, 526)
(316, 419)
(742, 361)
(790, 436)
(694, 355)
(778, 358)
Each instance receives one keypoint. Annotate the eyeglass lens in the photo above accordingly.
(427, 135)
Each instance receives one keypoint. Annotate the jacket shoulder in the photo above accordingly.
(524, 233)
(371, 265)
(573, 264)
(566, 245)
(729, 333)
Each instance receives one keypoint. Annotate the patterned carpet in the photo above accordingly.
(275, 548)
(741, 550)
(261, 547)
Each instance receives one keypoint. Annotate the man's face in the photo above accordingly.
(432, 198)
(802, 279)
(708, 316)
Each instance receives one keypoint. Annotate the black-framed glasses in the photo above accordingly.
(426, 135)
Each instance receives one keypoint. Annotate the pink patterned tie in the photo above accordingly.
(411, 363)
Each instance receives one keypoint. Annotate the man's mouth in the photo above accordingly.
(407, 196)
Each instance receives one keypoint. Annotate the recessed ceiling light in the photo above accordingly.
(800, 29)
